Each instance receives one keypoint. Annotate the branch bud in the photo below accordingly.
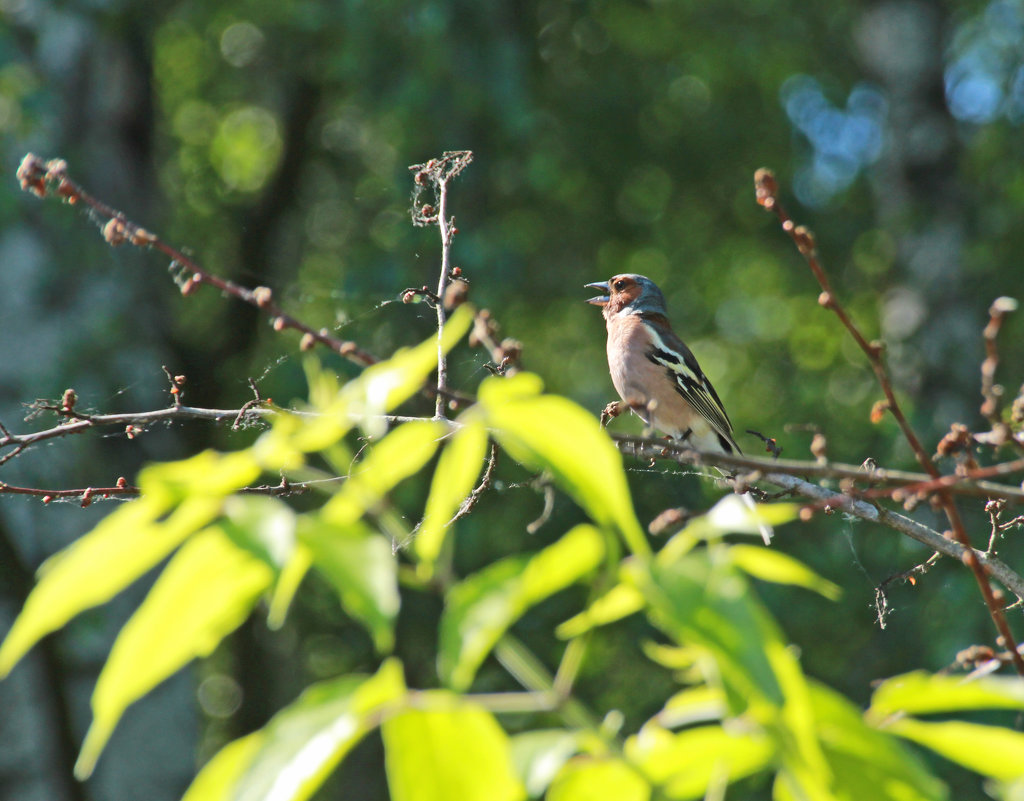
(114, 231)
(263, 296)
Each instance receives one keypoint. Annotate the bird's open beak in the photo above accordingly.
(600, 300)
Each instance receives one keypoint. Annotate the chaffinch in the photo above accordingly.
(654, 372)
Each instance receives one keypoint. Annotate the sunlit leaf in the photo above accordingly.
(361, 567)
(553, 433)
(206, 591)
(586, 779)
(93, 569)
(480, 609)
(287, 584)
(620, 601)
(772, 565)
(219, 776)
(263, 525)
(207, 474)
(993, 751)
(687, 763)
(539, 755)
(266, 527)
(698, 604)
(921, 693)
(447, 748)
(865, 762)
(305, 741)
(380, 388)
(397, 456)
(457, 470)
(692, 705)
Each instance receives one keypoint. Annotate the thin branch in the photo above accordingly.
(766, 189)
(660, 449)
(991, 392)
(965, 484)
(481, 488)
(439, 173)
(43, 178)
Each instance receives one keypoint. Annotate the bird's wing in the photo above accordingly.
(670, 352)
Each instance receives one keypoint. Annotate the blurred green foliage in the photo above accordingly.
(744, 710)
(272, 141)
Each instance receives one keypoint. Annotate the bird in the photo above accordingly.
(656, 374)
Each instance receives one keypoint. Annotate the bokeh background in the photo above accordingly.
(271, 138)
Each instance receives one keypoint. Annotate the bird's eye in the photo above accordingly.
(620, 284)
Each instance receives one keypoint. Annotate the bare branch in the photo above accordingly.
(680, 453)
(766, 192)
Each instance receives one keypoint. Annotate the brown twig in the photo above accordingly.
(766, 191)
(485, 483)
(644, 448)
(966, 484)
(86, 495)
(51, 177)
(992, 393)
(439, 173)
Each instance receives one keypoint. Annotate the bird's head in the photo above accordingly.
(628, 293)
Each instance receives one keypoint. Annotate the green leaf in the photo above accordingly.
(711, 606)
(206, 591)
(586, 779)
(397, 456)
(865, 762)
(553, 433)
(687, 764)
(921, 693)
(360, 565)
(779, 568)
(305, 741)
(992, 751)
(208, 474)
(457, 470)
(480, 609)
(266, 527)
(620, 601)
(219, 776)
(448, 748)
(539, 755)
(92, 570)
(287, 584)
(692, 705)
(380, 388)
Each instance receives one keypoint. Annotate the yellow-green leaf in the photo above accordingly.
(361, 567)
(992, 751)
(539, 755)
(305, 741)
(688, 763)
(380, 388)
(206, 591)
(447, 748)
(457, 470)
(620, 601)
(587, 779)
(921, 693)
(779, 568)
(218, 777)
(397, 456)
(553, 433)
(479, 610)
(93, 569)
(207, 474)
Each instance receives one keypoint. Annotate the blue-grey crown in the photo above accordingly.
(650, 300)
